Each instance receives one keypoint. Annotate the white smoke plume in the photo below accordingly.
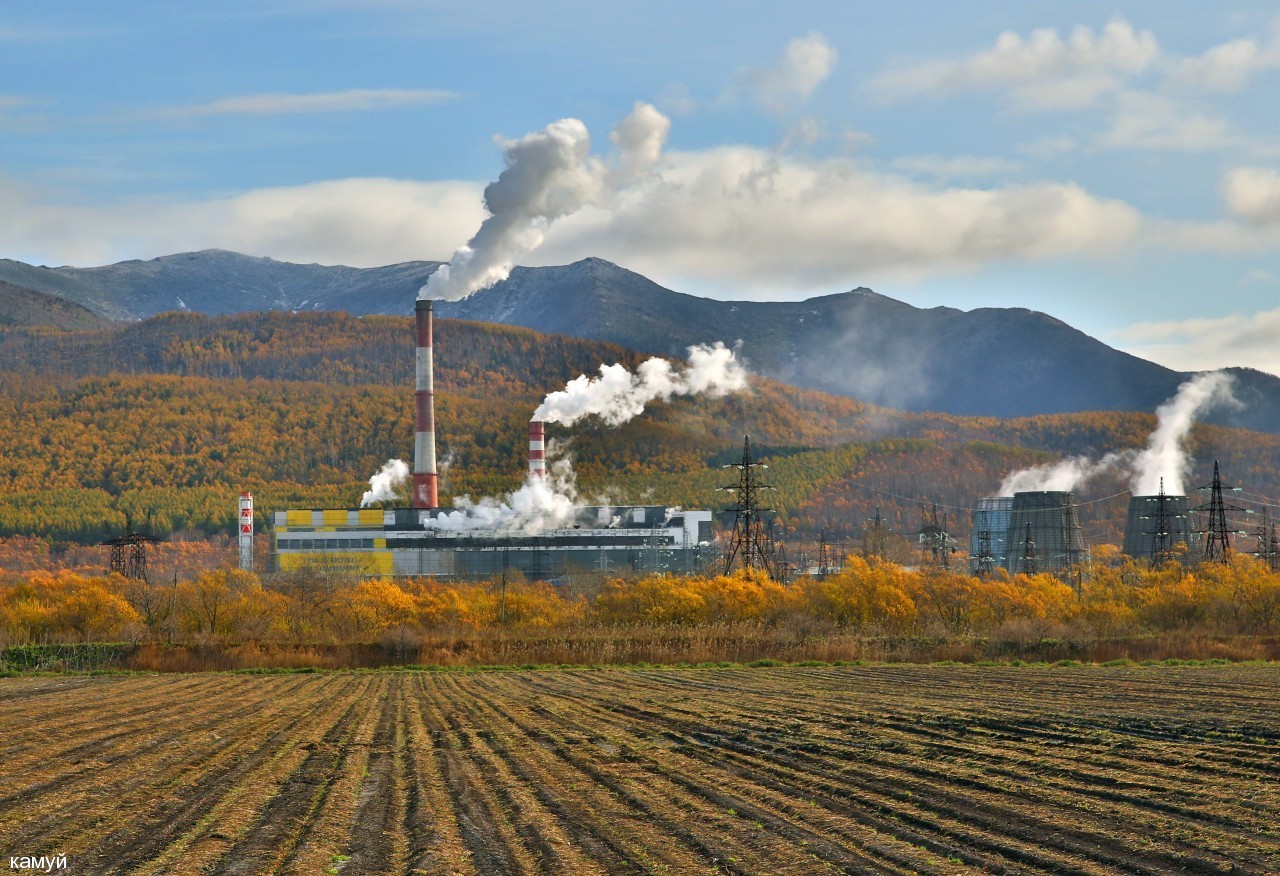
(542, 503)
(616, 395)
(384, 486)
(1165, 455)
(1064, 476)
(550, 174)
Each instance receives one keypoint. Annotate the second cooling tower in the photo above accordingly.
(1156, 525)
(1044, 533)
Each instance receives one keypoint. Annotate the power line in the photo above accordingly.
(917, 499)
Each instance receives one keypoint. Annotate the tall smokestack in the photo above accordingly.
(246, 531)
(424, 419)
(537, 449)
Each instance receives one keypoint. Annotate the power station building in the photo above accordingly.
(430, 541)
(403, 541)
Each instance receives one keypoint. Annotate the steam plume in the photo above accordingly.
(542, 503)
(550, 174)
(383, 487)
(1064, 476)
(616, 395)
(1165, 455)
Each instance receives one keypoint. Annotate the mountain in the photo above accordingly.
(216, 281)
(24, 307)
(1002, 362)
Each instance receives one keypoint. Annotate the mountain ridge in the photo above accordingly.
(1000, 362)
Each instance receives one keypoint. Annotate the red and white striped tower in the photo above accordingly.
(246, 531)
(537, 449)
(424, 418)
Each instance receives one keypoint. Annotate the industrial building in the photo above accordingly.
(430, 541)
(402, 541)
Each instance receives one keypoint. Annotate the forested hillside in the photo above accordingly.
(170, 418)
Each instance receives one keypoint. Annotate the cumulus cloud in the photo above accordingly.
(768, 222)
(351, 100)
(1227, 67)
(1243, 339)
(1042, 71)
(1253, 194)
(1143, 120)
(805, 64)
(359, 222)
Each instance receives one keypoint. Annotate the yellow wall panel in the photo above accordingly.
(339, 562)
(297, 518)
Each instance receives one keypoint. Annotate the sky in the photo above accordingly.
(1116, 165)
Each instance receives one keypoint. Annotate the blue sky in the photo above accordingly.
(1115, 165)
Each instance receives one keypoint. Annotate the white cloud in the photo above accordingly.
(1253, 194)
(1245, 340)
(755, 220)
(805, 64)
(1258, 277)
(1142, 120)
(1039, 72)
(359, 222)
(1227, 67)
(351, 100)
(740, 218)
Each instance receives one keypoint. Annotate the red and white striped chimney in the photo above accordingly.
(537, 449)
(424, 416)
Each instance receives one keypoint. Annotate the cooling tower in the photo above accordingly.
(988, 545)
(1050, 518)
(424, 415)
(1156, 525)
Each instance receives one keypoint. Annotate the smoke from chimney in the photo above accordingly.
(1060, 477)
(1165, 455)
(550, 174)
(616, 395)
(386, 484)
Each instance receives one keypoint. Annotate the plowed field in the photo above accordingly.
(880, 769)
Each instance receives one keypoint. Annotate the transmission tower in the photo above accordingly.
(1267, 546)
(829, 561)
(1030, 564)
(875, 539)
(1217, 544)
(1162, 534)
(129, 552)
(750, 544)
(935, 541)
(986, 564)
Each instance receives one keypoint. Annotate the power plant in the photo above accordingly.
(427, 540)
(1030, 531)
